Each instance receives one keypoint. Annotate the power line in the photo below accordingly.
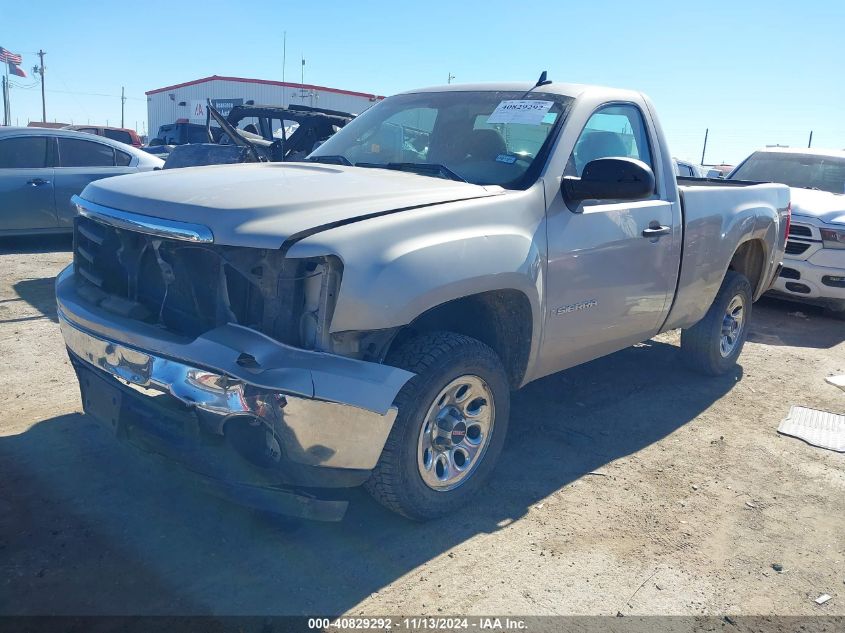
(96, 94)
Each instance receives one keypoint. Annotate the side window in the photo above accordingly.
(122, 159)
(27, 152)
(611, 132)
(276, 126)
(74, 152)
(119, 135)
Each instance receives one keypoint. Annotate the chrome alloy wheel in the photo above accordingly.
(455, 433)
(732, 324)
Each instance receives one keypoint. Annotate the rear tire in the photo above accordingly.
(713, 345)
(450, 428)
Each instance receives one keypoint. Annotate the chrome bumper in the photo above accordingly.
(307, 429)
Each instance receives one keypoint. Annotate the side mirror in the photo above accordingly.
(610, 179)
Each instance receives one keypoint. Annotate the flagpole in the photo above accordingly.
(8, 96)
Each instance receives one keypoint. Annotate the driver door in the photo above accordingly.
(607, 285)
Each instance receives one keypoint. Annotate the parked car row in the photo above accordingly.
(120, 134)
(41, 168)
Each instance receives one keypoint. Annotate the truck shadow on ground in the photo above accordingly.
(781, 322)
(39, 293)
(36, 244)
(89, 527)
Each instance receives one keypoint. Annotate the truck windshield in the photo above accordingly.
(808, 171)
(483, 137)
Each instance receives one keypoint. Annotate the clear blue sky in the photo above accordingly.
(753, 72)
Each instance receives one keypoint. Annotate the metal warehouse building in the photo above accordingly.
(184, 101)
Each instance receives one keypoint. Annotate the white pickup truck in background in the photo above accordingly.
(814, 263)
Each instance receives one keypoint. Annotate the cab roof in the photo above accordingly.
(566, 89)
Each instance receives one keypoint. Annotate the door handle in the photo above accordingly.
(656, 231)
(37, 182)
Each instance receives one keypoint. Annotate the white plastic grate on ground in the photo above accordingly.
(819, 428)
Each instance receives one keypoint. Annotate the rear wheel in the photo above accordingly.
(450, 429)
(712, 345)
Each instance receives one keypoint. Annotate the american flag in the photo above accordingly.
(9, 57)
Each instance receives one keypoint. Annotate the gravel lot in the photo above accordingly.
(628, 485)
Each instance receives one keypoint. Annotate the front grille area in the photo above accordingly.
(789, 273)
(799, 230)
(796, 248)
(189, 288)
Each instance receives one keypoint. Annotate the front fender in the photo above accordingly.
(399, 266)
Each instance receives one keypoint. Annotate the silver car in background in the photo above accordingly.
(686, 169)
(40, 169)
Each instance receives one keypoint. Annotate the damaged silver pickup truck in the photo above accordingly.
(287, 330)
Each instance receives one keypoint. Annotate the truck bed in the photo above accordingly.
(716, 215)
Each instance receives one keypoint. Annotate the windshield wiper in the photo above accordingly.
(424, 169)
(331, 159)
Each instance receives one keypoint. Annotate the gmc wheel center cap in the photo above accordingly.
(459, 432)
(451, 428)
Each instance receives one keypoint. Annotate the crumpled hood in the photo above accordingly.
(827, 207)
(262, 204)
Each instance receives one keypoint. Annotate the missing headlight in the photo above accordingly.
(320, 287)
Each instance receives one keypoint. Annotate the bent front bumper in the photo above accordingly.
(298, 418)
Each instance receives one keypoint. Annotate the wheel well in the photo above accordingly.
(500, 319)
(748, 260)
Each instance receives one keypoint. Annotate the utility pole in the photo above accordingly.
(704, 149)
(122, 103)
(41, 54)
(450, 78)
(810, 142)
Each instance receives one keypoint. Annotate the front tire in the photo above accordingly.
(713, 345)
(450, 429)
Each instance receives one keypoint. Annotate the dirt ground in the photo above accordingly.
(627, 485)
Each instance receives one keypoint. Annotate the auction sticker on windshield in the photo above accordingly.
(526, 111)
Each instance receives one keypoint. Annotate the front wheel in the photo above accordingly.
(450, 429)
(712, 345)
